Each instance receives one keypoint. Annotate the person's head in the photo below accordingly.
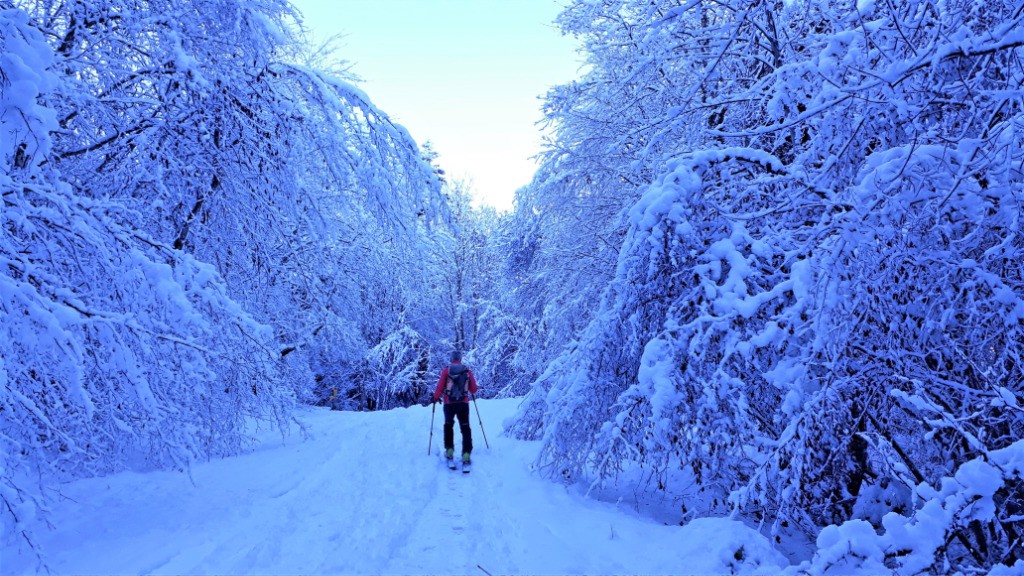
(456, 356)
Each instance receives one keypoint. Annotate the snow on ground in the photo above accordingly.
(361, 495)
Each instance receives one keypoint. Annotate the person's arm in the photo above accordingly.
(440, 384)
(472, 383)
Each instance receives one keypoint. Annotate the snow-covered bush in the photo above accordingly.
(396, 372)
(973, 517)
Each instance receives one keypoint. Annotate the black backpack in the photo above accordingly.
(458, 383)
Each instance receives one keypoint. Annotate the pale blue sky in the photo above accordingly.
(465, 74)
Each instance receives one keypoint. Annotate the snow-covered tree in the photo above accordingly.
(227, 150)
(815, 300)
(196, 227)
(118, 350)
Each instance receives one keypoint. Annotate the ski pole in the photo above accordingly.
(432, 411)
(482, 431)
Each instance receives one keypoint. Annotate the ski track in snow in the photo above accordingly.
(361, 496)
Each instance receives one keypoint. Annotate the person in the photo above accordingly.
(455, 386)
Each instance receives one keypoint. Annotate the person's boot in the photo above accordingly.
(449, 455)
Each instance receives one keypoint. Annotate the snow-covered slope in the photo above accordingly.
(360, 495)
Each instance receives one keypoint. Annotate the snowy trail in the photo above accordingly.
(361, 496)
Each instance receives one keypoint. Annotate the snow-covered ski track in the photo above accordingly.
(314, 506)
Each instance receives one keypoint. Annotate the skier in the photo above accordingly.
(455, 385)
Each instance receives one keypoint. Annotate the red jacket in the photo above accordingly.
(443, 380)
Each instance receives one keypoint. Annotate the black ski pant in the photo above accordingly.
(458, 410)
